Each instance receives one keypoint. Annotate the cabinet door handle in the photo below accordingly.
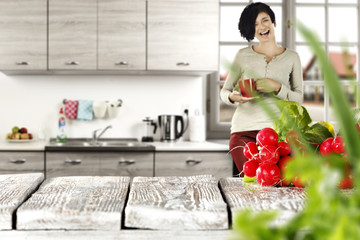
(72, 63)
(183, 64)
(122, 63)
(193, 161)
(127, 162)
(73, 162)
(18, 161)
(22, 63)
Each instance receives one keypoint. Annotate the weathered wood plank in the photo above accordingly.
(15, 188)
(176, 203)
(116, 235)
(80, 202)
(240, 195)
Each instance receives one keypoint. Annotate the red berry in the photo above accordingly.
(338, 145)
(284, 148)
(250, 150)
(268, 174)
(325, 146)
(269, 153)
(250, 167)
(267, 136)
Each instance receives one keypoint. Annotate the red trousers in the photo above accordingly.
(237, 142)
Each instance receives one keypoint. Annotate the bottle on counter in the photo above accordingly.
(61, 136)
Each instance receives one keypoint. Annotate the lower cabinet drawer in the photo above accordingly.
(218, 164)
(72, 164)
(99, 164)
(127, 164)
(21, 162)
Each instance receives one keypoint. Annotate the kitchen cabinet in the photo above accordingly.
(13, 162)
(183, 35)
(72, 34)
(189, 163)
(99, 164)
(72, 164)
(122, 35)
(23, 38)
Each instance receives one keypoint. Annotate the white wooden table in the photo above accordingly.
(239, 196)
(76, 203)
(14, 189)
(176, 203)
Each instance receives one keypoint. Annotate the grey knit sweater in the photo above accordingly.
(284, 68)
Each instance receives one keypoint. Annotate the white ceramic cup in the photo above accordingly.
(99, 108)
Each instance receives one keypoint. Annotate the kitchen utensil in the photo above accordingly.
(99, 108)
(169, 126)
(148, 132)
(197, 127)
(247, 87)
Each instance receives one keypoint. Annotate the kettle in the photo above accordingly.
(169, 126)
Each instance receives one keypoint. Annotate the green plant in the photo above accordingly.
(329, 213)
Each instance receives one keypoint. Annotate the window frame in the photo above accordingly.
(217, 129)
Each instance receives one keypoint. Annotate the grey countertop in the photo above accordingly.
(209, 145)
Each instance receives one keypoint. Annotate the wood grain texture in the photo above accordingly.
(15, 188)
(23, 35)
(240, 195)
(116, 235)
(122, 34)
(75, 203)
(183, 32)
(176, 203)
(218, 164)
(21, 162)
(72, 34)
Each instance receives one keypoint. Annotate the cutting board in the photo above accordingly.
(176, 203)
(76, 203)
(239, 196)
(15, 188)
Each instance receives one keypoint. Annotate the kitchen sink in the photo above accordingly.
(103, 144)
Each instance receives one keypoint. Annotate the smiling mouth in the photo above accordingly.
(265, 33)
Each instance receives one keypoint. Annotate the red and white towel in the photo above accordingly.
(71, 109)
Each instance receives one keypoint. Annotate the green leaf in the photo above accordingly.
(249, 179)
(317, 133)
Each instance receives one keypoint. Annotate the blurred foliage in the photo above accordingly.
(330, 213)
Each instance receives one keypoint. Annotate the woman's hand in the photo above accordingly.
(235, 96)
(267, 85)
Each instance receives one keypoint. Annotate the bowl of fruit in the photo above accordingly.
(19, 135)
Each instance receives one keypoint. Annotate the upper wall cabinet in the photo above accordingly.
(183, 35)
(23, 35)
(122, 34)
(72, 34)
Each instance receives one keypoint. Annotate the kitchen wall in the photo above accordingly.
(34, 101)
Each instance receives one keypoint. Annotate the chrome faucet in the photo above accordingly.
(96, 137)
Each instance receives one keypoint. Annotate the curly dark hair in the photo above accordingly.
(248, 17)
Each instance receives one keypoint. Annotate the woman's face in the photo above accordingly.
(264, 28)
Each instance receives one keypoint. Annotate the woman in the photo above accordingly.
(275, 69)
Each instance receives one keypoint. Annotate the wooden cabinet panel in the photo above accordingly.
(127, 164)
(72, 164)
(72, 34)
(218, 164)
(23, 26)
(183, 35)
(122, 35)
(21, 162)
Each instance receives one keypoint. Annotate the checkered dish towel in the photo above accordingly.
(71, 109)
(85, 110)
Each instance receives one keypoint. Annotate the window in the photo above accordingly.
(319, 15)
